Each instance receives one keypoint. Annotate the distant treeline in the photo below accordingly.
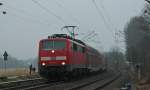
(137, 34)
(13, 62)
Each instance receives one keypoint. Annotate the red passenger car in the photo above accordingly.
(61, 55)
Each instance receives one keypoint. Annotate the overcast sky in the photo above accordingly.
(26, 22)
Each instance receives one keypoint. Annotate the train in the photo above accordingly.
(61, 55)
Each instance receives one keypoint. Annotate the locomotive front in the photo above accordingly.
(53, 58)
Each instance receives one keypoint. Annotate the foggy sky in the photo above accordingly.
(26, 23)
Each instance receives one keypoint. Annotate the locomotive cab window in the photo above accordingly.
(53, 45)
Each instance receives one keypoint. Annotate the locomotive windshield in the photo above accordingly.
(53, 45)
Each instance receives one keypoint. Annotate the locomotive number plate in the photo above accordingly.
(53, 58)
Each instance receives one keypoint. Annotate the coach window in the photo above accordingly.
(75, 47)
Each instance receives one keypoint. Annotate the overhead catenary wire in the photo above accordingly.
(107, 16)
(103, 17)
(29, 19)
(88, 35)
(20, 13)
(91, 36)
(109, 20)
(94, 41)
(49, 11)
(117, 33)
(67, 11)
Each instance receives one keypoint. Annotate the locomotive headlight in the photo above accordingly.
(52, 51)
(63, 63)
(43, 64)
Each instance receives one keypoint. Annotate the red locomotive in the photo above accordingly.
(62, 55)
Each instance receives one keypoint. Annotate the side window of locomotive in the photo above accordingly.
(71, 46)
(80, 49)
(83, 49)
(75, 47)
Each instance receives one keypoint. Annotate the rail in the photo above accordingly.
(20, 83)
(103, 83)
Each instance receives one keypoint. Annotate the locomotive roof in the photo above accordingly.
(64, 36)
(92, 49)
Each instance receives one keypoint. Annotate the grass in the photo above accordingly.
(15, 72)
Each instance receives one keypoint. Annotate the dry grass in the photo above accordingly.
(15, 72)
(145, 79)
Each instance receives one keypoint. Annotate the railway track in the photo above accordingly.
(96, 82)
(17, 85)
(40, 86)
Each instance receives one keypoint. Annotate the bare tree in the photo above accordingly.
(137, 35)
